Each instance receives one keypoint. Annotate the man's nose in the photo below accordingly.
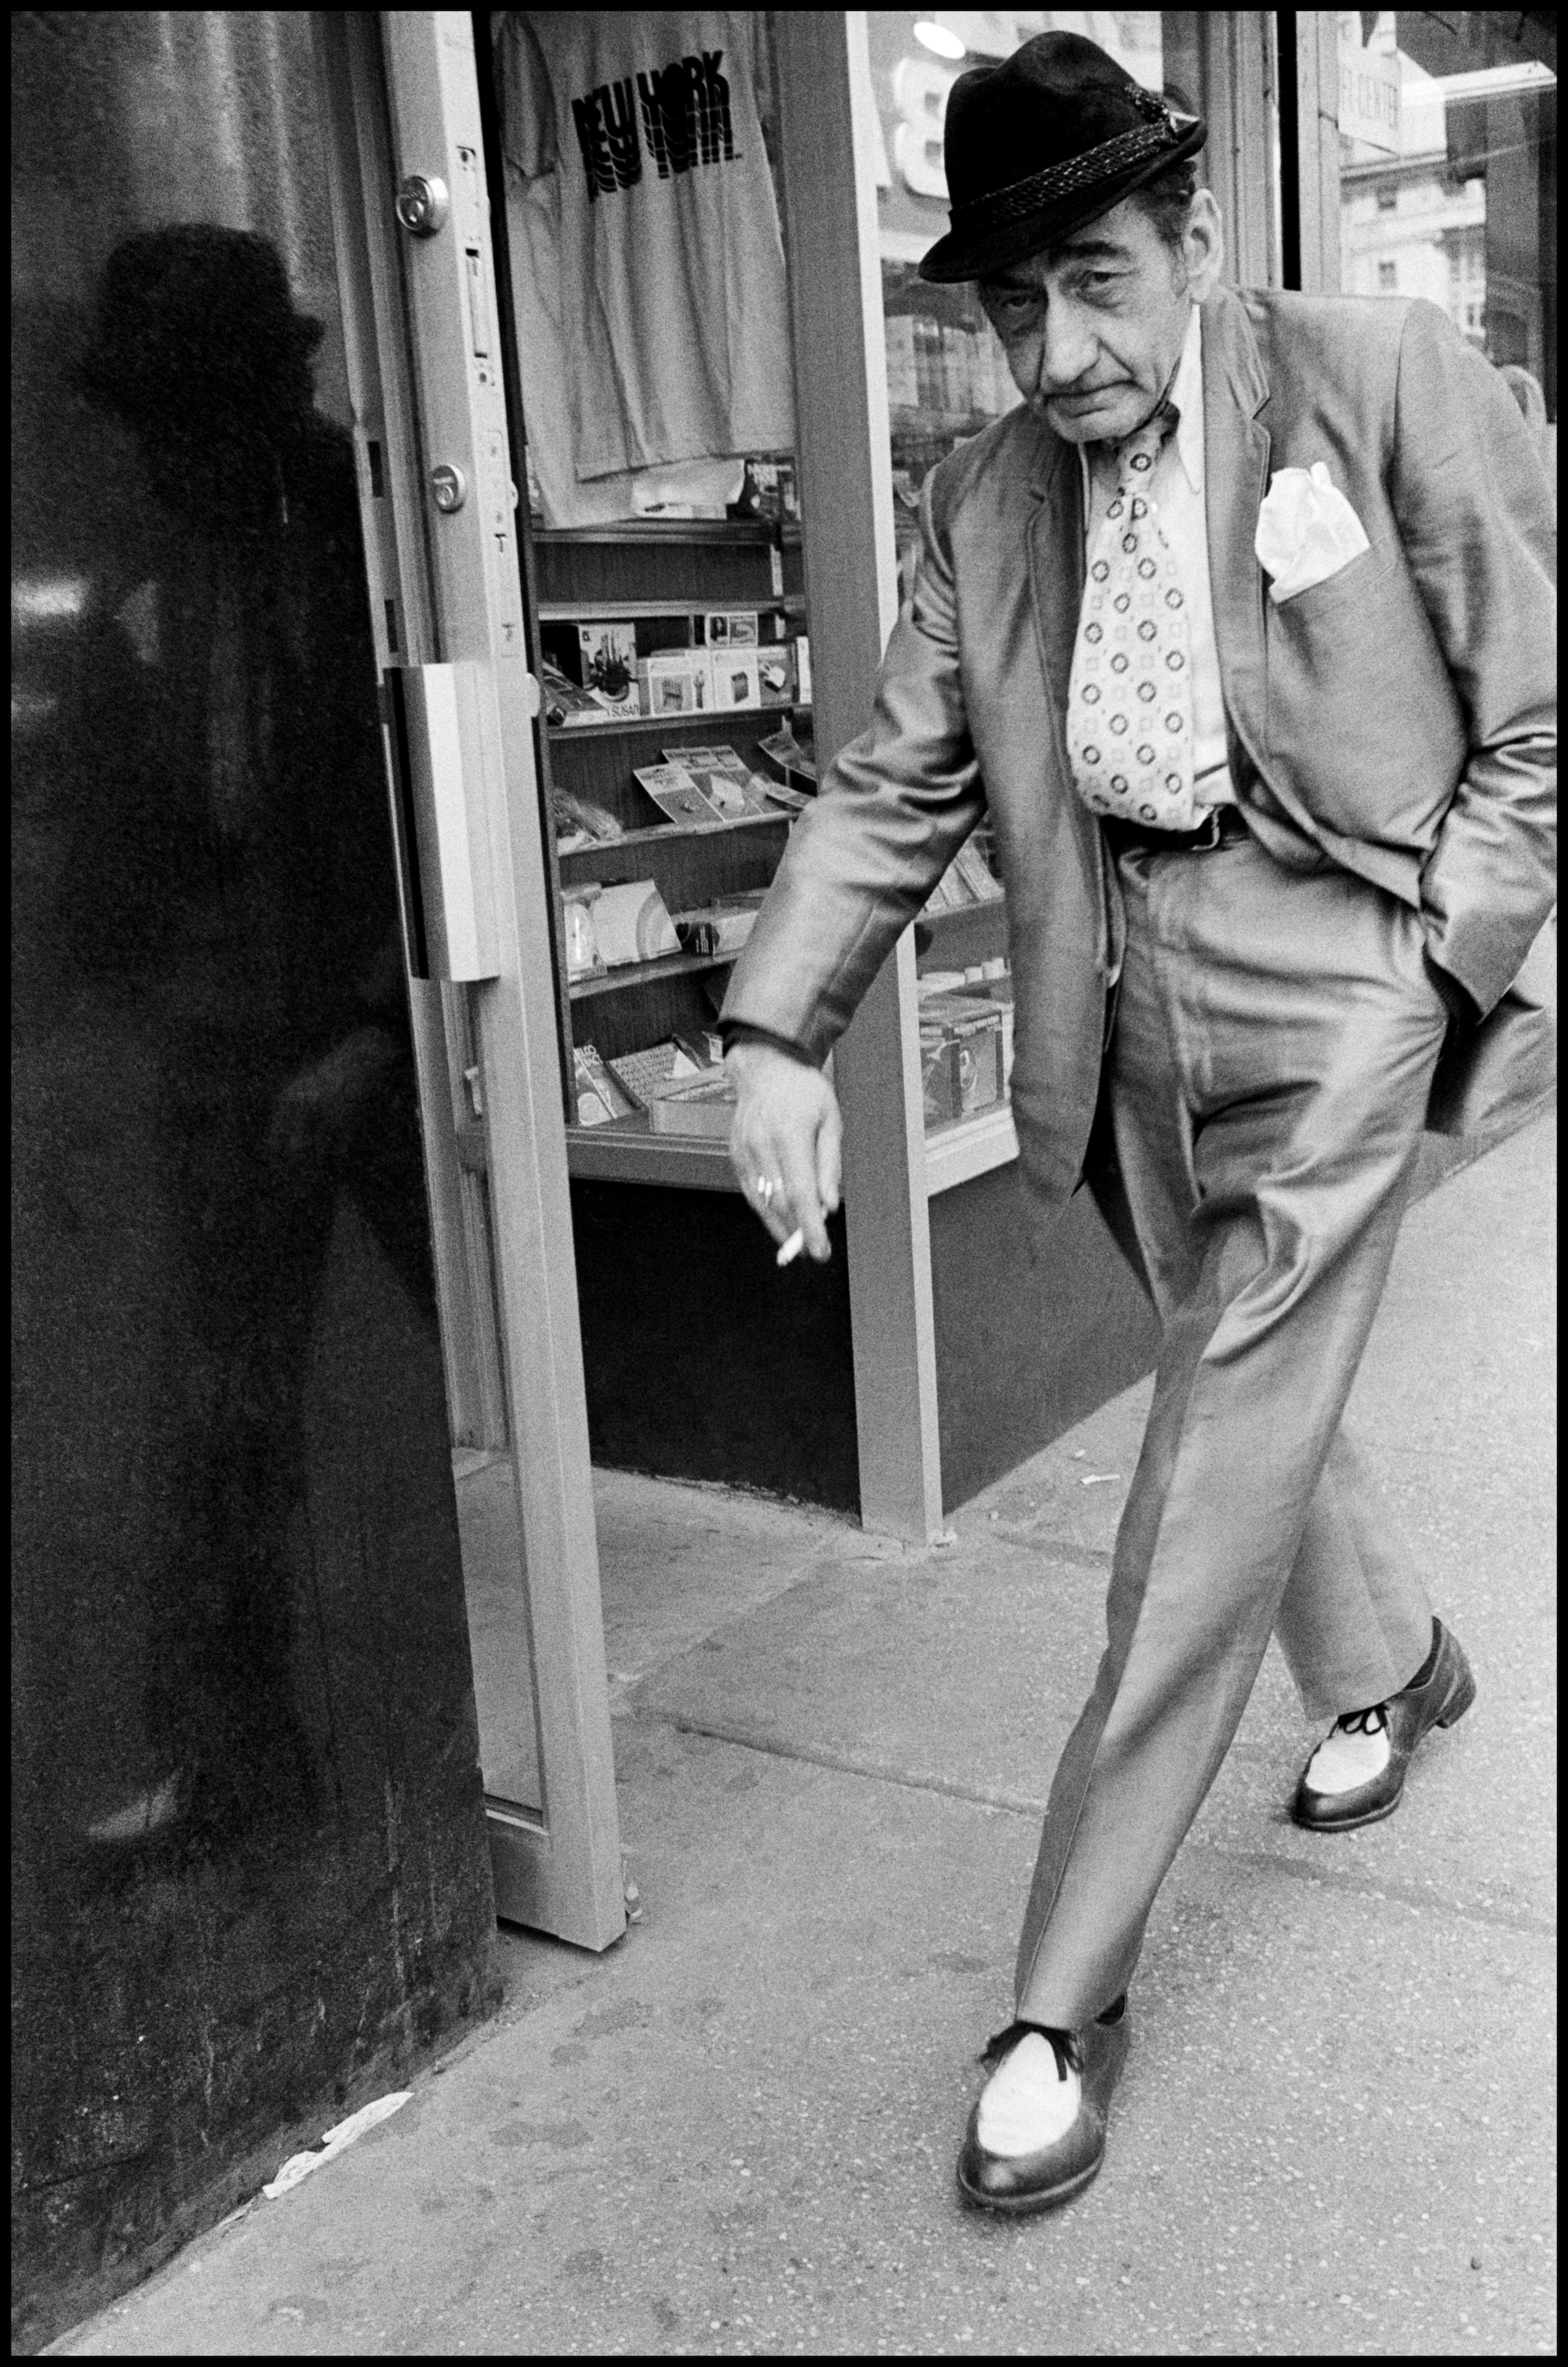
(1067, 349)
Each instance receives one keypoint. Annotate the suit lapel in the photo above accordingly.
(1056, 570)
(1235, 471)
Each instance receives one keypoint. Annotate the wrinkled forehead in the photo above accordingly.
(1097, 243)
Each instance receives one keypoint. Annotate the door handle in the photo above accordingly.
(437, 748)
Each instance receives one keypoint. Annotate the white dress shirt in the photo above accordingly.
(1176, 497)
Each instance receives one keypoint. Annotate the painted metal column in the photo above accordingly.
(842, 455)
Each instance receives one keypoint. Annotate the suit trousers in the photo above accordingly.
(1267, 1082)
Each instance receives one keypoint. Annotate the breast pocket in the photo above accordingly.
(1359, 580)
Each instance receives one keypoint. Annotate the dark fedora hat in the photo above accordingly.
(1043, 144)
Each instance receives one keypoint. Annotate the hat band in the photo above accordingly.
(1020, 198)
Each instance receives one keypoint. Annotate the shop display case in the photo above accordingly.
(634, 797)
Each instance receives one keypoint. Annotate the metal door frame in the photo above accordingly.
(419, 316)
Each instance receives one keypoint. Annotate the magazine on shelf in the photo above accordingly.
(678, 795)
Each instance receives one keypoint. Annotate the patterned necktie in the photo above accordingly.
(1130, 695)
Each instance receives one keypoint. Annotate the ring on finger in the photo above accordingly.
(765, 1187)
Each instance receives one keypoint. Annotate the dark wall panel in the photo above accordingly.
(250, 1878)
(1023, 1352)
(703, 1360)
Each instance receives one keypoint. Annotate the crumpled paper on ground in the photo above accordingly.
(300, 2164)
(1306, 530)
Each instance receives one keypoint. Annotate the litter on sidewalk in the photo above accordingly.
(335, 2141)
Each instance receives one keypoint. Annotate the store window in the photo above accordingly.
(1448, 176)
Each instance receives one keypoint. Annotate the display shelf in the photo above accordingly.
(647, 973)
(663, 835)
(627, 725)
(972, 1145)
(725, 532)
(591, 612)
(971, 933)
(622, 1152)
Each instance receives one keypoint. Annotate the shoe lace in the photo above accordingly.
(1065, 2044)
(1374, 1720)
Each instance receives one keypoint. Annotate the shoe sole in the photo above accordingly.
(1462, 1699)
(1025, 2206)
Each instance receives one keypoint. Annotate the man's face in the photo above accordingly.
(1092, 328)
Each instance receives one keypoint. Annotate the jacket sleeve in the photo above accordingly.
(893, 811)
(1475, 518)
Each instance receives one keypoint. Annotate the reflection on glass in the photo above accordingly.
(244, 1758)
(497, 1624)
(1448, 182)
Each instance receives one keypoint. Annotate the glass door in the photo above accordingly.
(437, 493)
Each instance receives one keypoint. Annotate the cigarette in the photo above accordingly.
(793, 1247)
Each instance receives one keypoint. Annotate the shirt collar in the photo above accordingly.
(1187, 394)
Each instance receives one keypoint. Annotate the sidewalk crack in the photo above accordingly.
(1019, 1803)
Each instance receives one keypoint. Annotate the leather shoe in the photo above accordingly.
(1441, 1699)
(1041, 2181)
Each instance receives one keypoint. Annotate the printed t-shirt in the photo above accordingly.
(672, 306)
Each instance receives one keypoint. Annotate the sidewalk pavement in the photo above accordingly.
(735, 2132)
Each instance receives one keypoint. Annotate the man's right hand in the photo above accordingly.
(785, 1142)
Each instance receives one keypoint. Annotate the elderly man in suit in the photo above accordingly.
(1242, 631)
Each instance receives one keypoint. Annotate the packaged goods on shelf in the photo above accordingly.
(995, 986)
(643, 1076)
(803, 670)
(776, 676)
(961, 1057)
(731, 628)
(768, 491)
(902, 384)
(706, 1106)
(566, 703)
(675, 682)
(721, 927)
(736, 680)
(599, 1099)
(610, 665)
(580, 821)
(947, 896)
(632, 924)
(794, 756)
(957, 370)
(583, 959)
(735, 797)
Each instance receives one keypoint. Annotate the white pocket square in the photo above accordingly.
(1306, 530)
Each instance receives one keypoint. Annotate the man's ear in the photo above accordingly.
(1203, 245)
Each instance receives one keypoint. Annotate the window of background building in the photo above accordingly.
(1449, 180)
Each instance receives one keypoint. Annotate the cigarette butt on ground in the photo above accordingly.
(793, 1247)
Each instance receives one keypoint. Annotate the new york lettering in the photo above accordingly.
(684, 109)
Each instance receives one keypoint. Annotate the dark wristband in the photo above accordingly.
(741, 1031)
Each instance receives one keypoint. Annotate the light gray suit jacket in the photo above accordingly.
(1399, 718)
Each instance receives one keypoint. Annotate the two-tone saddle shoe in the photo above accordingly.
(1037, 2135)
(1356, 1774)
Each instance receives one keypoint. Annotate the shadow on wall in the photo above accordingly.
(251, 1874)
